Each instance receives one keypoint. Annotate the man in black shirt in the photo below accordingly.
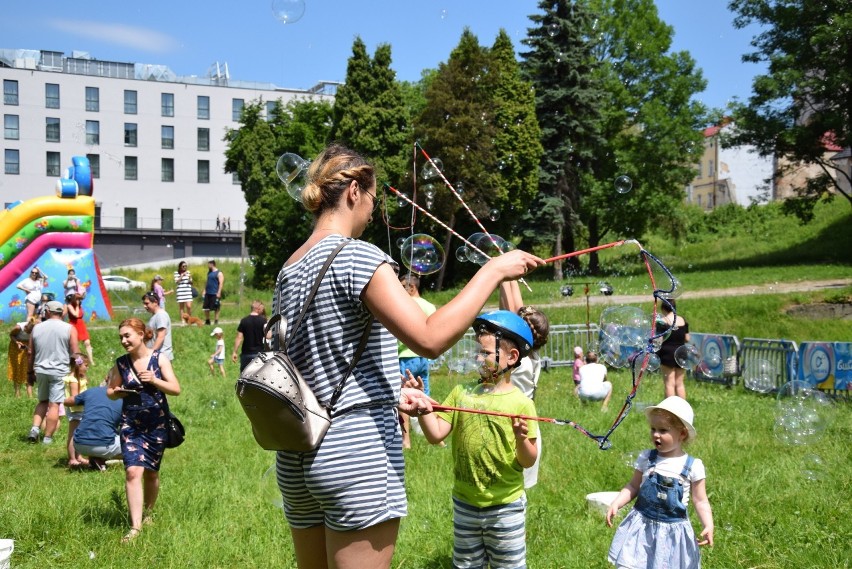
(250, 334)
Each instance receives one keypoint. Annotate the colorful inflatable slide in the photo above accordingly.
(54, 234)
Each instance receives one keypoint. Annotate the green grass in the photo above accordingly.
(215, 509)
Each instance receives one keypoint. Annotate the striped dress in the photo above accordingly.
(183, 286)
(355, 478)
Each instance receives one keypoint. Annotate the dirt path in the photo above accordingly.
(777, 288)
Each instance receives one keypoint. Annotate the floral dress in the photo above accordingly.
(143, 417)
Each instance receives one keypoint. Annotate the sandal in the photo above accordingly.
(148, 518)
(131, 535)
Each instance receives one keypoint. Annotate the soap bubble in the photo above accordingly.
(461, 254)
(611, 353)
(626, 325)
(623, 184)
(429, 191)
(813, 468)
(269, 488)
(459, 188)
(431, 170)
(400, 242)
(675, 291)
(292, 170)
(214, 404)
(802, 413)
(687, 356)
(629, 458)
(491, 245)
(553, 29)
(401, 201)
(759, 376)
(494, 214)
(636, 360)
(422, 254)
(288, 11)
(462, 357)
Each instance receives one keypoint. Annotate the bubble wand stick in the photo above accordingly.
(591, 249)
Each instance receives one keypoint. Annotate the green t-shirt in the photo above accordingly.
(428, 308)
(485, 468)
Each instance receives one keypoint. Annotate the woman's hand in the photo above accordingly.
(414, 402)
(146, 376)
(514, 264)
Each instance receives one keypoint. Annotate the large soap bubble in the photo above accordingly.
(431, 170)
(292, 170)
(628, 326)
(288, 11)
(462, 357)
(802, 414)
(623, 184)
(422, 254)
(490, 245)
(269, 488)
(760, 376)
(687, 356)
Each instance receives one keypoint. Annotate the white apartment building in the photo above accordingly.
(154, 139)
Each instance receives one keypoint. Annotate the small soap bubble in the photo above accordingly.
(553, 29)
(802, 413)
(760, 376)
(687, 356)
(402, 201)
(494, 214)
(422, 254)
(459, 188)
(490, 245)
(214, 404)
(400, 242)
(429, 191)
(431, 170)
(461, 254)
(292, 170)
(623, 184)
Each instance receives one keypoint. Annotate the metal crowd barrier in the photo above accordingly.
(782, 355)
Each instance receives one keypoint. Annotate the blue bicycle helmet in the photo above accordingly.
(509, 325)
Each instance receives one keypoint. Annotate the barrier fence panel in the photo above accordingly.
(719, 357)
(776, 358)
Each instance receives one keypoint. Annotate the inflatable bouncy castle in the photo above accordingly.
(54, 234)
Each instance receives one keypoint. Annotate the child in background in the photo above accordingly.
(578, 363)
(218, 357)
(490, 452)
(76, 383)
(657, 532)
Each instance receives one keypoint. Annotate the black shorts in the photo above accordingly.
(210, 302)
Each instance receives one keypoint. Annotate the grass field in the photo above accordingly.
(775, 506)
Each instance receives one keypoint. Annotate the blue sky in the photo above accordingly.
(191, 35)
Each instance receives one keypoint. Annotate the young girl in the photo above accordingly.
(578, 363)
(76, 382)
(657, 532)
(218, 357)
(157, 288)
(75, 318)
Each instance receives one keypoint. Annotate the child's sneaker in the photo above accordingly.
(47, 441)
(33, 436)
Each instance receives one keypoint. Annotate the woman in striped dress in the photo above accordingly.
(346, 497)
(183, 290)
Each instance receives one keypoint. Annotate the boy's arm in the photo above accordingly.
(525, 450)
(220, 349)
(434, 428)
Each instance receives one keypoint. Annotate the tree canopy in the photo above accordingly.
(802, 108)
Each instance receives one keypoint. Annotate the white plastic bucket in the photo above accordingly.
(7, 546)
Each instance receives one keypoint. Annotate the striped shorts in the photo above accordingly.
(490, 537)
(354, 480)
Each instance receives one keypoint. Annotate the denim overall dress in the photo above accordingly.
(657, 533)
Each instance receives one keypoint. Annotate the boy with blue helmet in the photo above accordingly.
(490, 452)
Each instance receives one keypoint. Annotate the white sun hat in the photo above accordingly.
(678, 407)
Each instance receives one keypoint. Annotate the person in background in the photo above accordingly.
(157, 288)
(32, 286)
(19, 346)
(213, 292)
(525, 377)
(76, 383)
(673, 374)
(578, 363)
(183, 289)
(74, 310)
(142, 378)
(52, 344)
(250, 335)
(409, 362)
(217, 358)
(335, 515)
(97, 435)
(593, 384)
(72, 285)
(160, 324)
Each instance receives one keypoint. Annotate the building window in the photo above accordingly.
(167, 219)
(167, 135)
(11, 127)
(204, 171)
(12, 161)
(270, 109)
(95, 164)
(710, 169)
(51, 129)
(10, 92)
(237, 109)
(204, 139)
(235, 178)
(97, 219)
(130, 107)
(130, 219)
(51, 96)
(700, 168)
(93, 132)
(167, 104)
(130, 168)
(53, 164)
(93, 99)
(131, 133)
(168, 169)
(203, 107)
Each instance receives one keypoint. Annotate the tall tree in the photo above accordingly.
(804, 103)
(560, 66)
(650, 124)
(275, 223)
